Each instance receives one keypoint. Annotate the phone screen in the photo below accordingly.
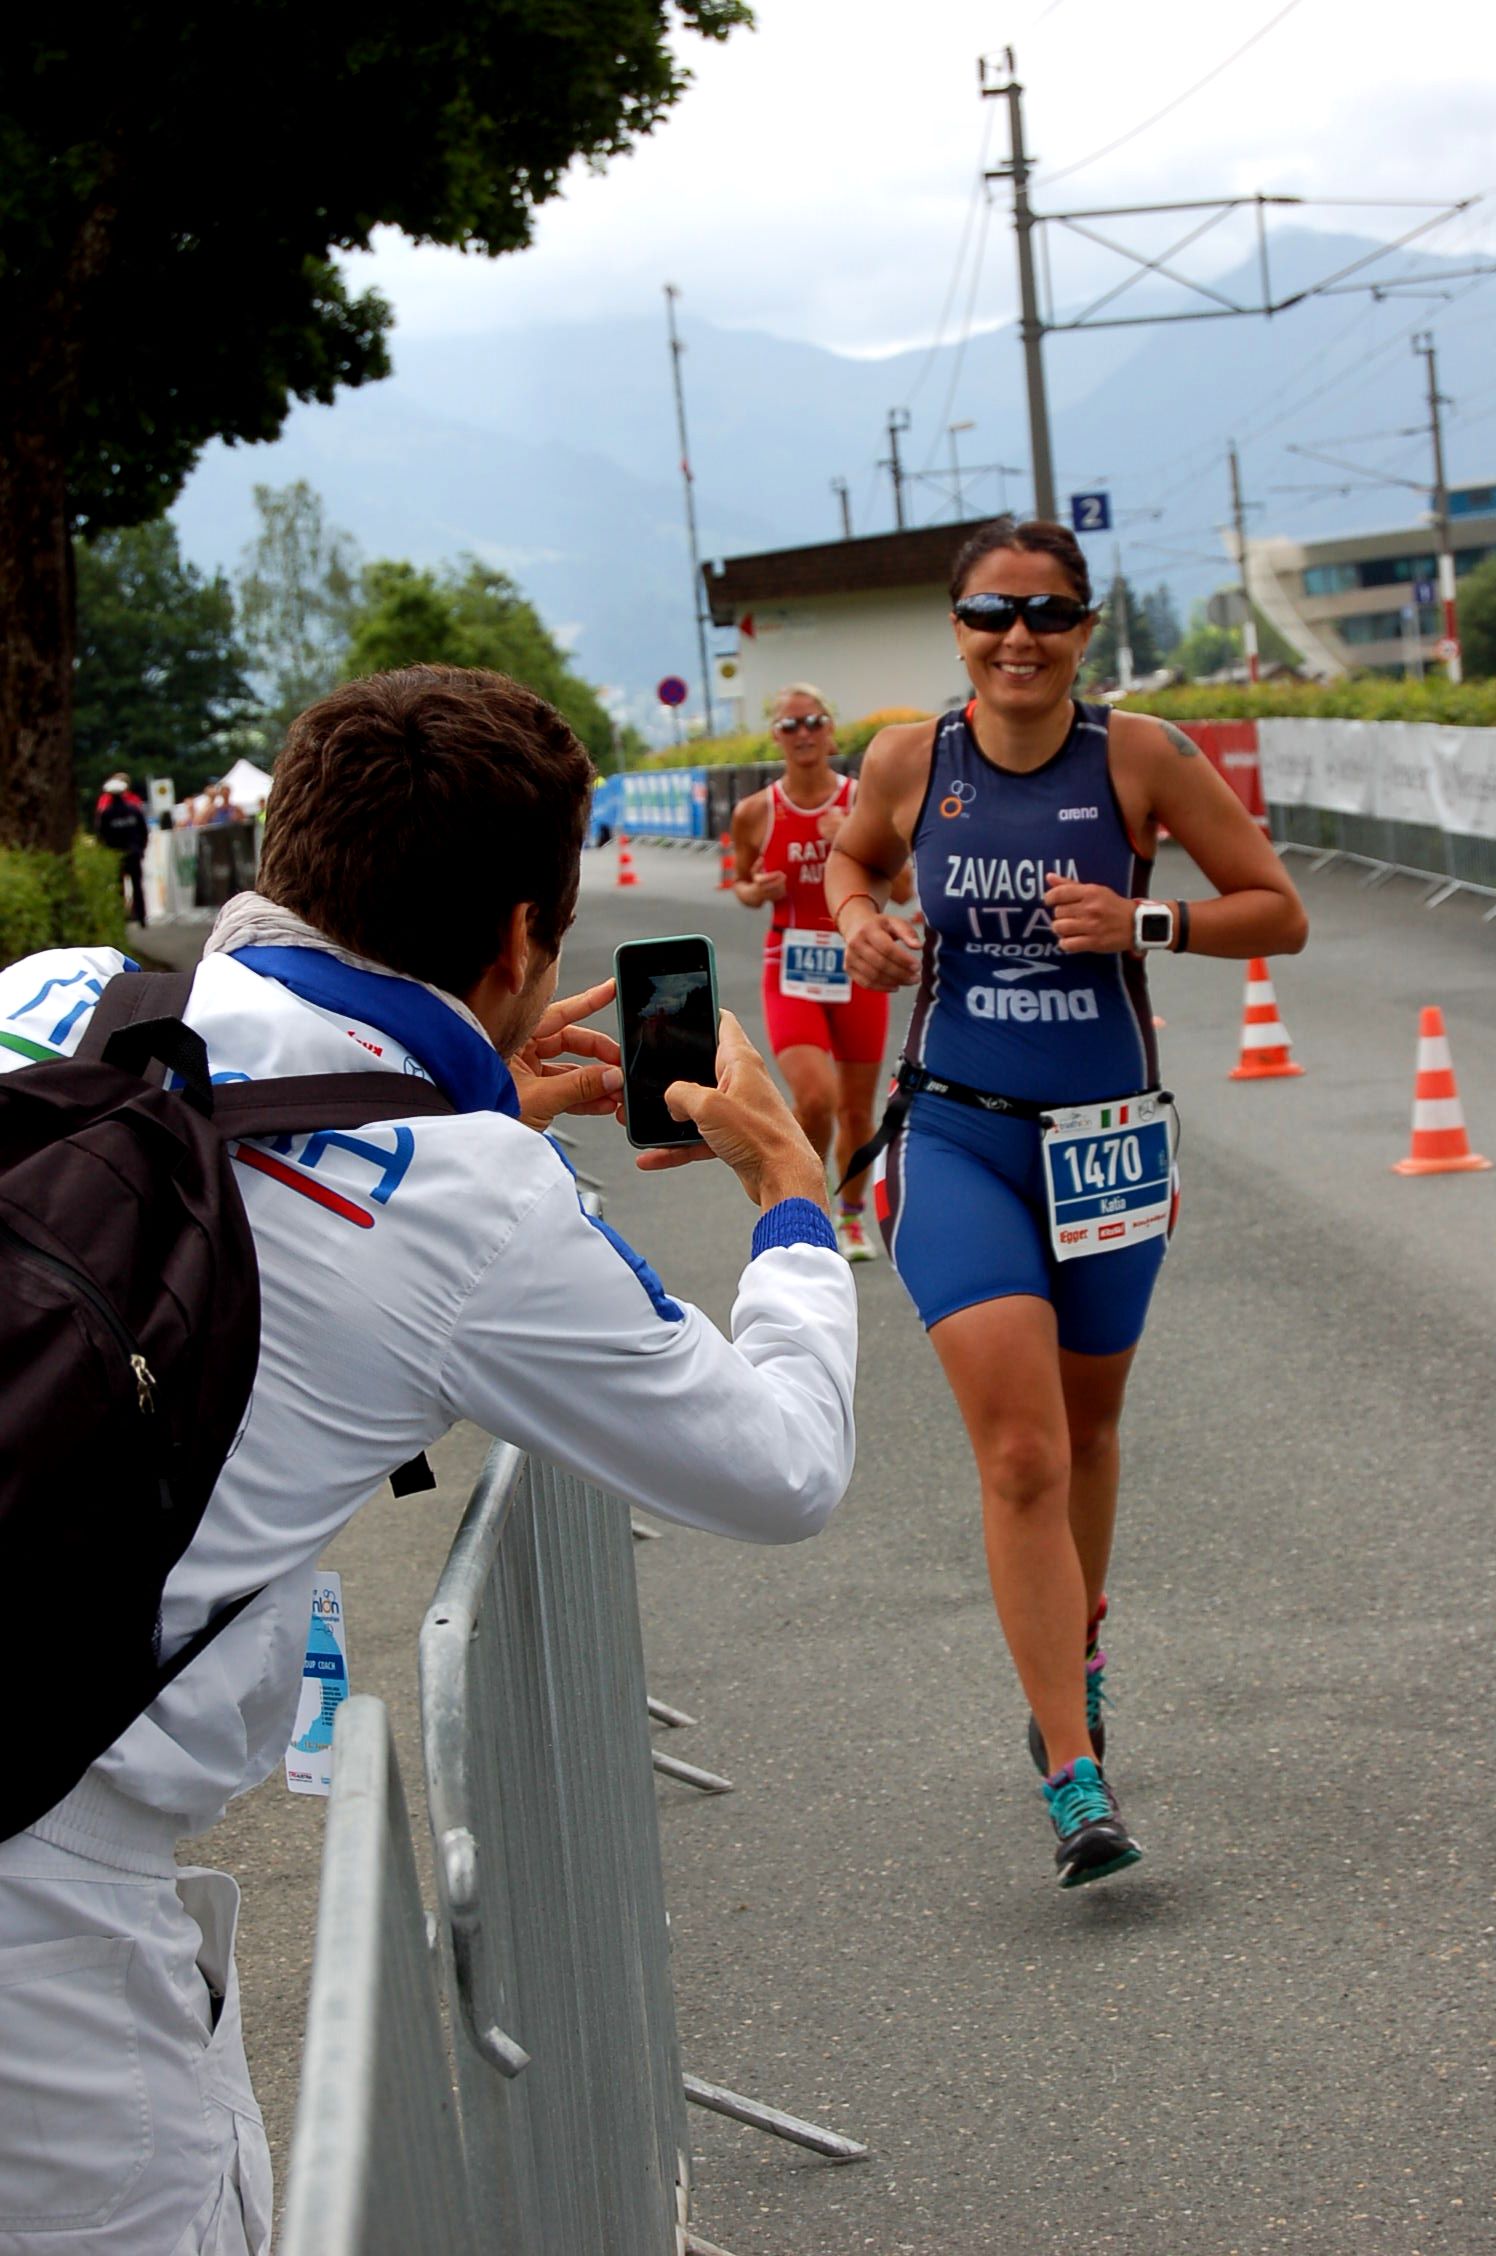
(667, 1016)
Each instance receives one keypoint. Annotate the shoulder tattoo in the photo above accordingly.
(1180, 742)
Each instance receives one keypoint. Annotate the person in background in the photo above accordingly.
(120, 821)
(827, 1035)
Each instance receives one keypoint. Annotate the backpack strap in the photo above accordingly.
(322, 1100)
(137, 1023)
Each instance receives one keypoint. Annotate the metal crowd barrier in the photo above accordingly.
(1448, 862)
(537, 1756)
(376, 2160)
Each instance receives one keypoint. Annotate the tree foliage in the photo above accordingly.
(1162, 617)
(175, 189)
(160, 674)
(1477, 615)
(298, 597)
(471, 615)
(1101, 657)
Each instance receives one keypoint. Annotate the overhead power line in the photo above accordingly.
(979, 196)
(1049, 178)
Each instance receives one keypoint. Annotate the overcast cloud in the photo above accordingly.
(817, 179)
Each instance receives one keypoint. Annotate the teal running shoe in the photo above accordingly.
(1092, 1839)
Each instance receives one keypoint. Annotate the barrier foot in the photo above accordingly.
(771, 2119)
(1378, 875)
(705, 1781)
(643, 1534)
(677, 1718)
(696, 2246)
(1440, 894)
(1324, 860)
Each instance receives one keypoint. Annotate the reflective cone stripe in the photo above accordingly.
(627, 875)
(1440, 1144)
(1265, 1047)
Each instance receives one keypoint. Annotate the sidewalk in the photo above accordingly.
(171, 944)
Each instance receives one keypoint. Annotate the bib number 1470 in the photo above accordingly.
(1108, 1172)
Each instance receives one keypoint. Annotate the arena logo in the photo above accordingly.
(1023, 1005)
(1080, 814)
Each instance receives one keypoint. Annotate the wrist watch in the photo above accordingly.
(1152, 924)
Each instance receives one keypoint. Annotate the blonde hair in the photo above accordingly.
(798, 689)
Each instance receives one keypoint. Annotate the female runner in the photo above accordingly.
(1033, 821)
(827, 1035)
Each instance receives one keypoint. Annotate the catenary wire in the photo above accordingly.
(1064, 172)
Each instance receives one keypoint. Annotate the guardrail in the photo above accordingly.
(377, 2162)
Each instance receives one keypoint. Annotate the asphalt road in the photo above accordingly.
(1277, 2031)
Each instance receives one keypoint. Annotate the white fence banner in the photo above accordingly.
(1463, 775)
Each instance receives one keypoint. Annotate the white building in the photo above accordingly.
(868, 621)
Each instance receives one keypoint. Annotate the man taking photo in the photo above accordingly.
(420, 867)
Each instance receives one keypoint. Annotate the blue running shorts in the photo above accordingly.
(960, 1201)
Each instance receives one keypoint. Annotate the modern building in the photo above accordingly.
(1368, 602)
(868, 621)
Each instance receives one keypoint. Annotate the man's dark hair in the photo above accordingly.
(1039, 536)
(411, 811)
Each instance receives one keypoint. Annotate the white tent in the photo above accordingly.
(248, 786)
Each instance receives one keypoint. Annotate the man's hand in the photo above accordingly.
(546, 1087)
(768, 885)
(746, 1122)
(883, 951)
(1089, 919)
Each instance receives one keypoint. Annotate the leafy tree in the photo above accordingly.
(298, 595)
(1204, 649)
(1158, 608)
(160, 675)
(1101, 658)
(1477, 616)
(473, 616)
(175, 189)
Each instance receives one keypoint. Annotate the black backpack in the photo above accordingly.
(122, 826)
(129, 1340)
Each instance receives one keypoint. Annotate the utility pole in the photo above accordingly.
(898, 422)
(1239, 519)
(1124, 624)
(843, 494)
(951, 430)
(1030, 328)
(1424, 343)
(698, 603)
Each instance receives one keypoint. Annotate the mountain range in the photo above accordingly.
(553, 452)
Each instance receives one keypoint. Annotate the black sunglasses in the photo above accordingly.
(793, 721)
(1041, 614)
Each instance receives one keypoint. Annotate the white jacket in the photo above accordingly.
(414, 1275)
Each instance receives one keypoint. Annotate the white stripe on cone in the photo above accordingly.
(1437, 1112)
(1274, 1037)
(1260, 991)
(1434, 1055)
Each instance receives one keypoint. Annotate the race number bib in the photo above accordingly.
(813, 965)
(1108, 1175)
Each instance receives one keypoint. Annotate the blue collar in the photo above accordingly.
(463, 1063)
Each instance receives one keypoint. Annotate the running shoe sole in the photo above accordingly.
(1077, 1876)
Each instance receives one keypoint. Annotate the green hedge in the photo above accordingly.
(47, 901)
(1462, 705)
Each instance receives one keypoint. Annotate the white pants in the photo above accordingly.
(127, 2123)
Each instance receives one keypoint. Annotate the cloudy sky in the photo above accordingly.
(819, 178)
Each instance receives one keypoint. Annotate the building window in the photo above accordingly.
(1330, 579)
(1386, 626)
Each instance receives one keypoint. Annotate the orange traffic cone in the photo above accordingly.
(627, 875)
(727, 862)
(1264, 1037)
(1440, 1144)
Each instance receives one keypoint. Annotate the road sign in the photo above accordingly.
(1228, 608)
(1423, 591)
(1446, 649)
(672, 690)
(1091, 513)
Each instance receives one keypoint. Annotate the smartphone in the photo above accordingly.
(667, 1030)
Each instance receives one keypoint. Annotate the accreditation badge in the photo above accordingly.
(813, 966)
(324, 1688)
(1108, 1175)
